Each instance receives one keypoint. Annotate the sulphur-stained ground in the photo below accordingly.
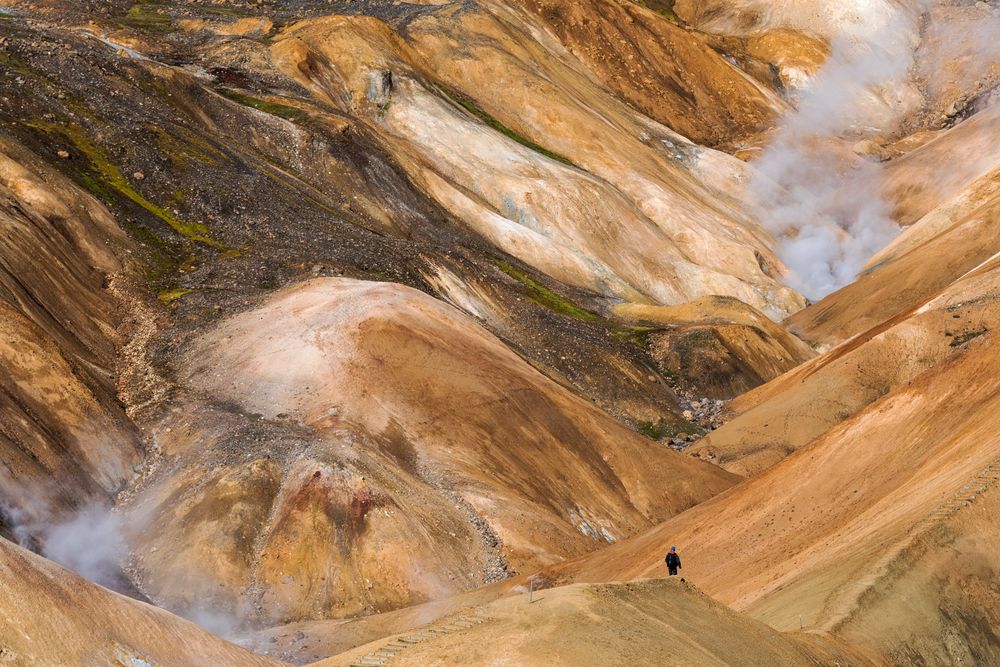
(414, 333)
(414, 451)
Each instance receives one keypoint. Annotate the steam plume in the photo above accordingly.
(91, 544)
(823, 203)
(89, 541)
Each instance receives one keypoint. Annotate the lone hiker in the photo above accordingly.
(673, 561)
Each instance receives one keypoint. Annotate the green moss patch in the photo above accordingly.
(289, 182)
(285, 111)
(103, 178)
(663, 430)
(148, 16)
(162, 260)
(699, 338)
(12, 63)
(664, 8)
(182, 147)
(635, 335)
(233, 12)
(545, 297)
(470, 106)
(656, 431)
(169, 296)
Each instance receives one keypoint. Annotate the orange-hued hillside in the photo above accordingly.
(358, 334)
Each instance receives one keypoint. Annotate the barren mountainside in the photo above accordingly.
(352, 332)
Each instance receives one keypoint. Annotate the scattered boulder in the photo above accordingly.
(380, 87)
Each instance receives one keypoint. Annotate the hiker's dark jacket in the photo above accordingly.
(673, 560)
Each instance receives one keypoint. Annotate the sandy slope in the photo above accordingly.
(50, 616)
(939, 172)
(938, 588)
(402, 453)
(814, 398)
(663, 216)
(644, 622)
(810, 535)
(64, 436)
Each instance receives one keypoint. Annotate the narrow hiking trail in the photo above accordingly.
(385, 654)
(840, 609)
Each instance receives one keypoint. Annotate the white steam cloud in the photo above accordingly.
(220, 622)
(961, 49)
(91, 543)
(821, 202)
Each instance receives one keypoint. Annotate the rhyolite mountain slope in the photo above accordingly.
(879, 471)
(215, 179)
(398, 453)
(347, 317)
(65, 435)
(54, 617)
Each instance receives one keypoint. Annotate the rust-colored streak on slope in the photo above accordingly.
(661, 69)
(408, 447)
(50, 616)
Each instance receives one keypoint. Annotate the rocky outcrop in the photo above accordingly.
(716, 347)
